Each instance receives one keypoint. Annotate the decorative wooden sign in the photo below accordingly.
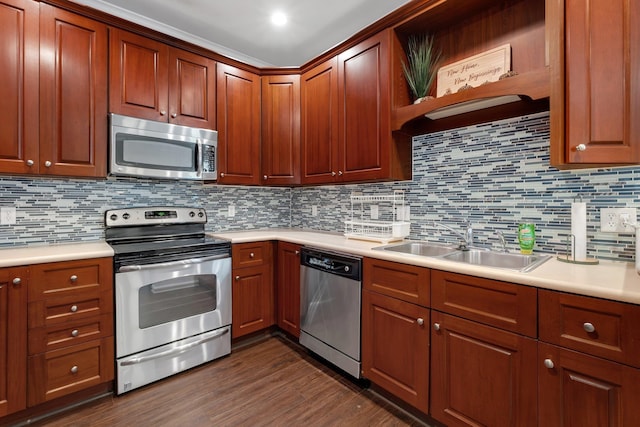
(474, 71)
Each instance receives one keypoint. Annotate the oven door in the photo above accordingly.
(158, 304)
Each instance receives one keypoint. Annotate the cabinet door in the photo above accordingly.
(481, 375)
(13, 340)
(238, 126)
(288, 288)
(138, 76)
(19, 89)
(601, 81)
(365, 110)
(73, 94)
(281, 130)
(580, 390)
(192, 89)
(319, 123)
(252, 297)
(395, 347)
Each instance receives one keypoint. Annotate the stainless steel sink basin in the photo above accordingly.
(486, 258)
(420, 248)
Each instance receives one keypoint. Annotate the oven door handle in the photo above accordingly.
(174, 351)
(191, 261)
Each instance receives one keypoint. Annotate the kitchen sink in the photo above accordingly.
(506, 260)
(475, 256)
(420, 248)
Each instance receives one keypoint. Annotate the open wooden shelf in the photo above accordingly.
(532, 85)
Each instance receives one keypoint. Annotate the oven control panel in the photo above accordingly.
(154, 215)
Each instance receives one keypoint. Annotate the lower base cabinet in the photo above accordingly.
(395, 347)
(288, 288)
(576, 389)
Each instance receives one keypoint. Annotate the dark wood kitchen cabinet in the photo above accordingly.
(13, 339)
(483, 352)
(252, 288)
(346, 118)
(151, 80)
(70, 320)
(280, 146)
(288, 288)
(588, 361)
(595, 67)
(395, 329)
(238, 109)
(54, 100)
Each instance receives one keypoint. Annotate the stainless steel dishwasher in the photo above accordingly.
(330, 295)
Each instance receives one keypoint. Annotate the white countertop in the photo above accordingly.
(53, 253)
(609, 279)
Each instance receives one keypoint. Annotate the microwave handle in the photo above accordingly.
(199, 157)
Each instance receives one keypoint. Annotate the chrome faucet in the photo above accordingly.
(466, 237)
(503, 242)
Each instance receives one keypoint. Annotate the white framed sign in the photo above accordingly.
(473, 71)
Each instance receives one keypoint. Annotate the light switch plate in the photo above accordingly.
(7, 215)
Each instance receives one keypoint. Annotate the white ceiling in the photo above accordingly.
(241, 29)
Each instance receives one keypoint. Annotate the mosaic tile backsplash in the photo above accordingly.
(494, 175)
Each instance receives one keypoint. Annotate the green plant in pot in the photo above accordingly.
(421, 69)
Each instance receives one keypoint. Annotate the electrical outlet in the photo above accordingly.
(612, 219)
(374, 211)
(7, 216)
(232, 211)
(314, 210)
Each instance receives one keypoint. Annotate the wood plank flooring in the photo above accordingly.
(269, 383)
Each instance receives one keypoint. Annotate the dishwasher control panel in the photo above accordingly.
(332, 262)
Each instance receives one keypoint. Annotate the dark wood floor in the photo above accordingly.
(269, 383)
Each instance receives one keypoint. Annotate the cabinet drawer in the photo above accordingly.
(44, 339)
(70, 308)
(504, 305)
(251, 254)
(63, 278)
(61, 372)
(603, 328)
(406, 282)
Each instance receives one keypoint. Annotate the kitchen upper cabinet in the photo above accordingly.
(280, 130)
(319, 123)
(238, 109)
(252, 288)
(288, 288)
(13, 339)
(595, 59)
(19, 139)
(395, 329)
(576, 389)
(73, 94)
(346, 118)
(151, 80)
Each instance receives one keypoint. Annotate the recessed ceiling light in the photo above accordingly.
(278, 19)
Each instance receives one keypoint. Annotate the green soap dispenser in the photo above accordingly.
(526, 237)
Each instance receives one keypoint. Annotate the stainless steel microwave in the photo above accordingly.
(150, 149)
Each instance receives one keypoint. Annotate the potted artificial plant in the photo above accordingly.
(421, 69)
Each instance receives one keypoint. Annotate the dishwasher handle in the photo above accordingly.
(333, 263)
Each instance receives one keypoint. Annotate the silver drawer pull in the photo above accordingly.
(588, 327)
(436, 326)
(17, 281)
(252, 255)
(74, 308)
(73, 278)
(548, 363)
(75, 333)
(74, 369)
(420, 321)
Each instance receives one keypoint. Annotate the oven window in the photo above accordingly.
(176, 299)
(155, 153)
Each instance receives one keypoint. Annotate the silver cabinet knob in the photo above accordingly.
(73, 278)
(30, 162)
(297, 252)
(581, 147)
(339, 173)
(17, 281)
(74, 369)
(588, 327)
(74, 308)
(265, 177)
(47, 164)
(436, 326)
(221, 174)
(420, 321)
(333, 173)
(237, 278)
(548, 363)
(174, 115)
(75, 333)
(252, 255)
(163, 112)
